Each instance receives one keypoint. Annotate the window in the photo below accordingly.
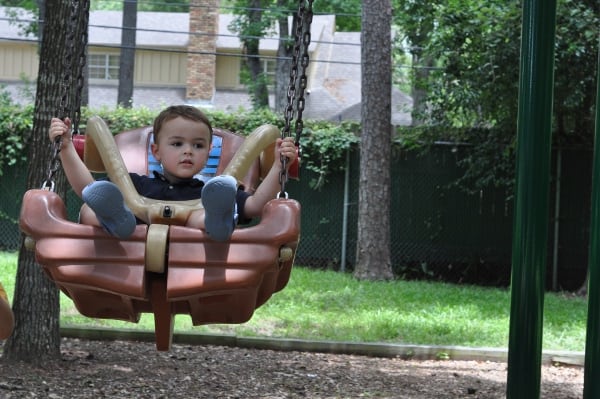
(269, 69)
(103, 66)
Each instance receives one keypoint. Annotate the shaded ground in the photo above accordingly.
(99, 369)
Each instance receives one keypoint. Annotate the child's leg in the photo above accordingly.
(87, 216)
(7, 320)
(106, 201)
(196, 219)
(218, 199)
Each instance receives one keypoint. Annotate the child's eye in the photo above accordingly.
(198, 145)
(176, 143)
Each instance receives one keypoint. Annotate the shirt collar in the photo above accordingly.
(193, 182)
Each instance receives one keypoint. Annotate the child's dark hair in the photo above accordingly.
(184, 111)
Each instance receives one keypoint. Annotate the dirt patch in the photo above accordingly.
(119, 369)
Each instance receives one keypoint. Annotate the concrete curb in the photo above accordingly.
(403, 351)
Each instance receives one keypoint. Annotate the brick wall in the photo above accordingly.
(201, 64)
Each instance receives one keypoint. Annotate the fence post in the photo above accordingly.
(591, 383)
(530, 229)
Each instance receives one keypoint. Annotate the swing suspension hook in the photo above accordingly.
(53, 166)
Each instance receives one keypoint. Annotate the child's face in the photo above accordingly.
(182, 148)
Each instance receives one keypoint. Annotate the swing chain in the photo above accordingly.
(65, 108)
(53, 166)
(83, 35)
(77, 28)
(302, 38)
(306, 37)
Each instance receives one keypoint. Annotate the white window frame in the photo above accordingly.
(105, 67)
(270, 74)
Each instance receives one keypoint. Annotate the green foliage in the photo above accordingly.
(120, 119)
(23, 15)
(420, 137)
(494, 155)
(251, 22)
(576, 62)
(467, 53)
(163, 6)
(28, 4)
(244, 121)
(257, 87)
(16, 123)
(477, 80)
(325, 148)
(347, 12)
(487, 154)
(323, 143)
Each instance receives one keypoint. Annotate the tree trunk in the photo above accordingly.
(419, 82)
(373, 240)
(127, 58)
(36, 336)
(284, 63)
(258, 84)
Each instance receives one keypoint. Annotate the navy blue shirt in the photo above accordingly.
(160, 188)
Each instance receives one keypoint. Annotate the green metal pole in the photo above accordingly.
(591, 382)
(530, 229)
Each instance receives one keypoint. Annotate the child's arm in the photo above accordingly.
(77, 173)
(270, 186)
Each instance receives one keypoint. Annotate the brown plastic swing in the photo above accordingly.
(165, 268)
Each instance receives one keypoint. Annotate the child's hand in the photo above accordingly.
(286, 147)
(58, 128)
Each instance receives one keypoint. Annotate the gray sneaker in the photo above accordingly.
(106, 200)
(218, 199)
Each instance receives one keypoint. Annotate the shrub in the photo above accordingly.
(16, 123)
(323, 143)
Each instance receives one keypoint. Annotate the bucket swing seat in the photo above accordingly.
(166, 268)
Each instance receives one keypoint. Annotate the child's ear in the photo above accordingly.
(154, 149)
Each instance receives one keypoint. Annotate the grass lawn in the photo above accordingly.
(326, 305)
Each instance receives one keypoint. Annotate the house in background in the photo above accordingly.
(174, 66)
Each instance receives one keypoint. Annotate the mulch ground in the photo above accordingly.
(120, 369)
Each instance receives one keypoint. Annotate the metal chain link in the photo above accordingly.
(306, 37)
(302, 38)
(53, 166)
(67, 62)
(70, 105)
(81, 66)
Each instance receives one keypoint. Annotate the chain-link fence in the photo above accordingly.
(11, 193)
(437, 230)
(11, 190)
